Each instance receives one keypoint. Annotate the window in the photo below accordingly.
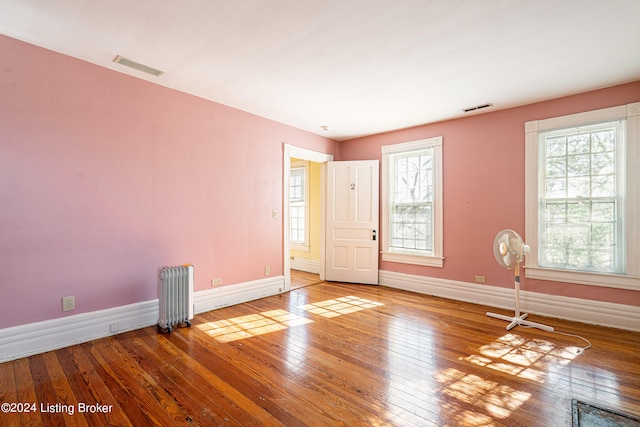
(298, 210)
(582, 198)
(412, 202)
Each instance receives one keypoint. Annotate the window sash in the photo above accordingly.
(411, 216)
(297, 185)
(579, 184)
(298, 214)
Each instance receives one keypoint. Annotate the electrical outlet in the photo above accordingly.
(481, 279)
(267, 270)
(216, 281)
(113, 328)
(68, 303)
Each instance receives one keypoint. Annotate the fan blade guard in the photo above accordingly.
(509, 249)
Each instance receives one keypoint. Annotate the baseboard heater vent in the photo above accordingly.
(175, 294)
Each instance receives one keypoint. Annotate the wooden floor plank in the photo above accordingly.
(100, 406)
(64, 396)
(335, 354)
(26, 393)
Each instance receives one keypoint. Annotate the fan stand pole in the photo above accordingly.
(519, 319)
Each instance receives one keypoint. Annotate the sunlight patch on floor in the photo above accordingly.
(252, 325)
(511, 354)
(498, 400)
(339, 306)
(515, 355)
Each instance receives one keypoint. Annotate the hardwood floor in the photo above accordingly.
(330, 354)
(300, 279)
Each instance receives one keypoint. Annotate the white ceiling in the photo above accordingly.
(358, 66)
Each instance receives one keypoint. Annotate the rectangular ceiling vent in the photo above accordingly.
(140, 67)
(478, 107)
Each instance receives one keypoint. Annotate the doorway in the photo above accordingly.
(296, 154)
(304, 220)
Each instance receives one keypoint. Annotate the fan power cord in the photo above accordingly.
(579, 350)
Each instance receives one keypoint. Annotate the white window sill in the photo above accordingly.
(426, 260)
(584, 278)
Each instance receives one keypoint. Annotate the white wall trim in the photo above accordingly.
(577, 309)
(39, 337)
(304, 264)
(225, 296)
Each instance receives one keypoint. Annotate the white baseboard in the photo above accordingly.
(577, 309)
(308, 265)
(34, 338)
(225, 296)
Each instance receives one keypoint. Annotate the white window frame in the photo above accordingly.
(631, 278)
(305, 246)
(435, 258)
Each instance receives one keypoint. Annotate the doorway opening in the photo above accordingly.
(306, 252)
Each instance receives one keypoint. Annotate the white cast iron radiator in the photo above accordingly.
(175, 292)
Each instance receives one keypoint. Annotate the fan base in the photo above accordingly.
(519, 321)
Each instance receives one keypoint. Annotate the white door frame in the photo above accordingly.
(312, 156)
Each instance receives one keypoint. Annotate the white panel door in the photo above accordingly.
(352, 222)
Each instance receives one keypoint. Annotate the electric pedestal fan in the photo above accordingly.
(510, 250)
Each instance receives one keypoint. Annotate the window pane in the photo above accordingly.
(556, 146)
(578, 143)
(578, 165)
(603, 140)
(556, 167)
(603, 163)
(578, 187)
(603, 186)
(556, 188)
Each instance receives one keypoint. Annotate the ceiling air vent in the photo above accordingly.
(477, 107)
(140, 67)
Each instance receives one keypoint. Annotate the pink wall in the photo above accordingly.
(105, 177)
(484, 187)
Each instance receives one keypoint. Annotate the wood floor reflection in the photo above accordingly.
(333, 354)
(300, 279)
